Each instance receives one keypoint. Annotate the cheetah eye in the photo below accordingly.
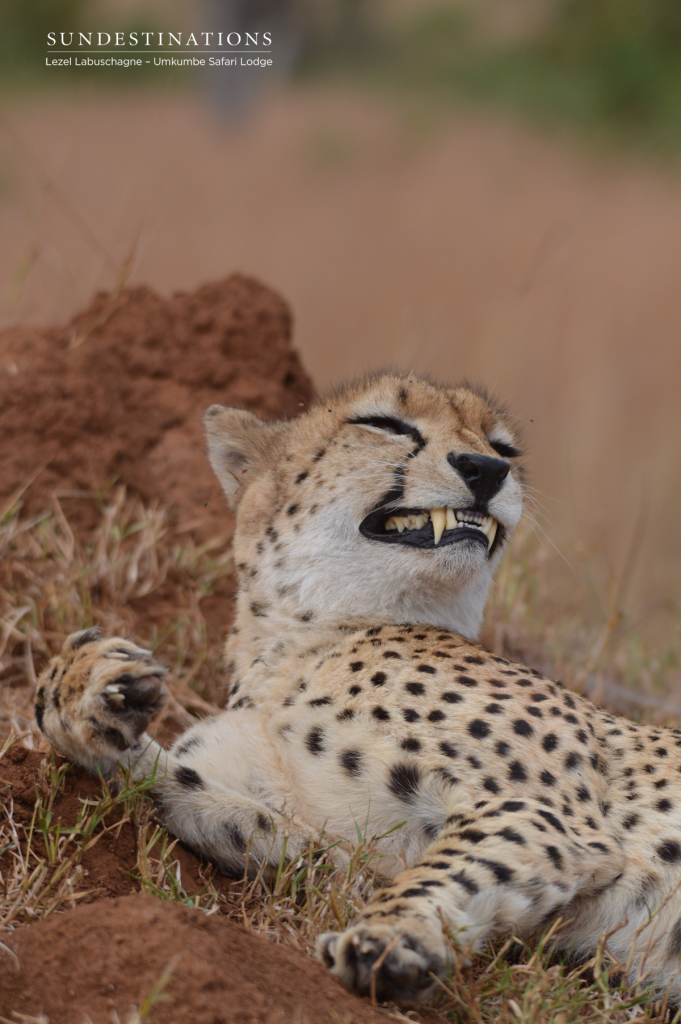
(507, 451)
(388, 424)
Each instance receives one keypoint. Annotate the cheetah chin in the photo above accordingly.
(367, 534)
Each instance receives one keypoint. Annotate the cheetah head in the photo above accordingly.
(392, 499)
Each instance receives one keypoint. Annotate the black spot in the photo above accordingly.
(56, 700)
(315, 740)
(573, 761)
(663, 805)
(473, 761)
(188, 745)
(446, 776)
(291, 510)
(567, 699)
(411, 743)
(301, 476)
(235, 836)
(442, 654)
(479, 729)
(511, 836)
(380, 714)
(432, 830)
(344, 716)
(599, 846)
(491, 785)
(410, 715)
(188, 778)
(351, 761)
(535, 712)
(539, 696)
(524, 682)
(263, 823)
(630, 821)
(466, 681)
(436, 716)
(502, 748)
(414, 892)
(473, 835)
(474, 659)
(415, 688)
(53, 673)
(661, 752)
(378, 678)
(356, 666)
(674, 944)
(39, 706)
(517, 772)
(354, 690)
(319, 702)
(451, 697)
(582, 736)
(404, 781)
(391, 654)
(513, 805)
(88, 636)
(548, 779)
(500, 871)
(552, 820)
(494, 709)
(448, 750)
(555, 857)
(426, 668)
(522, 728)
(572, 719)
(660, 784)
(465, 882)
(583, 794)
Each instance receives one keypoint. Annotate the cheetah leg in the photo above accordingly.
(511, 867)
(93, 703)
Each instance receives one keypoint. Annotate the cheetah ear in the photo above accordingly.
(239, 446)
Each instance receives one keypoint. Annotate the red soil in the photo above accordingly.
(109, 951)
(119, 393)
(95, 962)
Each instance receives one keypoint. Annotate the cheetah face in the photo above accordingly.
(393, 498)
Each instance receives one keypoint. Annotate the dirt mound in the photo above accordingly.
(119, 392)
(89, 962)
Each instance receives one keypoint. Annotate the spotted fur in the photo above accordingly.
(360, 696)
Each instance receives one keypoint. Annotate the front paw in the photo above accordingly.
(97, 696)
(388, 961)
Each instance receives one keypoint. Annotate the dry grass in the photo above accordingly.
(53, 581)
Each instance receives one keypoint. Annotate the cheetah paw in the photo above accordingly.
(389, 961)
(97, 696)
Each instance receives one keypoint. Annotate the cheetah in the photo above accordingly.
(368, 531)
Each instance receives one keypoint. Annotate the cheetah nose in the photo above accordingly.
(483, 474)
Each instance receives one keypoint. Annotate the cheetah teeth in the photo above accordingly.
(445, 519)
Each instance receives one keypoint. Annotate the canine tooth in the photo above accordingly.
(391, 524)
(439, 520)
(491, 533)
(400, 523)
(450, 523)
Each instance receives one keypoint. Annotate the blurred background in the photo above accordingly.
(487, 190)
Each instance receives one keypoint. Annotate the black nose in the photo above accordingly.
(483, 474)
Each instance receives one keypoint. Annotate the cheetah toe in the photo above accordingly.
(98, 695)
(386, 960)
